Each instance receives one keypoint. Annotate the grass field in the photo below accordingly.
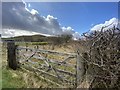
(10, 79)
(0, 64)
(31, 43)
(22, 79)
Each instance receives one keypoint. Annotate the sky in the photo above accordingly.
(81, 16)
(54, 18)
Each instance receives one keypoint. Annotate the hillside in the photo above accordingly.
(24, 78)
(27, 38)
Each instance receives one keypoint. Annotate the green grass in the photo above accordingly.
(0, 78)
(31, 43)
(11, 81)
(39, 43)
(17, 79)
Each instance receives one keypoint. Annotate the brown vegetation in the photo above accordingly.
(102, 58)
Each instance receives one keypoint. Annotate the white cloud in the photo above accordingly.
(76, 36)
(68, 30)
(110, 23)
(49, 17)
(25, 19)
(29, 5)
(33, 12)
(29, 22)
(92, 24)
(13, 32)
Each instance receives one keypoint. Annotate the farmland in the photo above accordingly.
(99, 60)
(24, 76)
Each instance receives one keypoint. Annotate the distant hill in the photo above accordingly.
(32, 38)
(40, 38)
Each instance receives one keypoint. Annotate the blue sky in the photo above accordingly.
(81, 16)
(56, 18)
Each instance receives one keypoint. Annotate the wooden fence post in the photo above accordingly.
(80, 69)
(11, 55)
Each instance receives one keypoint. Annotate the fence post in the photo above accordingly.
(80, 69)
(11, 55)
